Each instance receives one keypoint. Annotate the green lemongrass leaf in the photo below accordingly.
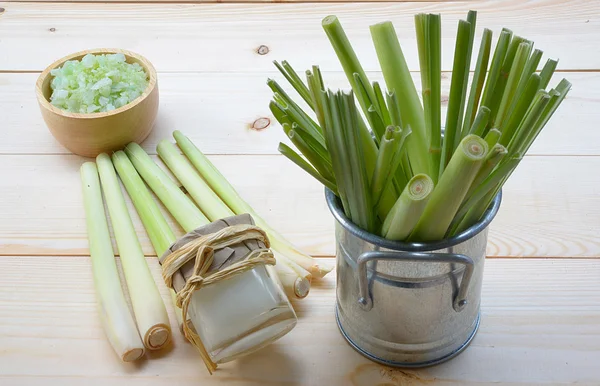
(516, 72)
(279, 113)
(117, 321)
(409, 207)
(496, 153)
(492, 137)
(315, 86)
(394, 108)
(472, 20)
(451, 189)
(377, 124)
(530, 68)
(362, 94)
(348, 59)
(292, 77)
(547, 72)
(522, 106)
(148, 306)
(434, 48)
(382, 106)
(296, 114)
(398, 80)
(290, 154)
(422, 30)
(527, 127)
(177, 203)
(478, 81)
(318, 158)
(455, 101)
(495, 67)
(387, 161)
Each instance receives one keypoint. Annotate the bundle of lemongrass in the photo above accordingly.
(394, 172)
(215, 198)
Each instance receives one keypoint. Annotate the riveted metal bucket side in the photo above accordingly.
(409, 305)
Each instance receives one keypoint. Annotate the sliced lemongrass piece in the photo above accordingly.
(521, 107)
(481, 120)
(492, 137)
(235, 202)
(176, 202)
(117, 321)
(409, 207)
(478, 81)
(399, 81)
(547, 72)
(160, 234)
(451, 190)
(148, 307)
(455, 101)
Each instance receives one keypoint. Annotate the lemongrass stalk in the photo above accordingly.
(314, 152)
(176, 202)
(399, 80)
(455, 101)
(316, 86)
(348, 59)
(495, 154)
(492, 137)
(472, 20)
(381, 105)
(212, 205)
(528, 125)
(292, 77)
(480, 123)
(116, 319)
(530, 68)
(449, 193)
(148, 307)
(290, 154)
(279, 113)
(160, 234)
(388, 160)
(495, 67)
(520, 109)
(409, 207)
(435, 81)
(516, 72)
(423, 39)
(547, 72)
(478, 80)
(500, 88)
(235, 202)
(475, 212)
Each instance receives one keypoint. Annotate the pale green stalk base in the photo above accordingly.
(409, 207)
(148, 307)
(117, 321)
(228, 194)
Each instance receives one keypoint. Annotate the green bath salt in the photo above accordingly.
(97, 83)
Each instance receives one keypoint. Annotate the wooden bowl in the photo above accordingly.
(91, 134)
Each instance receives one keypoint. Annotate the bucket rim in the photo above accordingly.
(333, 202)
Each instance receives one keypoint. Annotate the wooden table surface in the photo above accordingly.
(541, 294)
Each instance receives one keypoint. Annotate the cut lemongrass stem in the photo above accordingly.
(381, 105)
(399, 81)
(472, 20)
(480, 122)
(495, 67)
(117, 321)
(492, 137)
(435, 79)
(529, 122)
(290, 154)
(547, 72)
(409, 207)
(292, 77)
(478, 80)
(451, 189)
(521, 107)
(387, 161)
(160, 234)
(530, 68)
(495, 154)
(148, 306)
(229, 195)
(455, 101)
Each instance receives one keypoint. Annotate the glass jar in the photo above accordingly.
(242, 314)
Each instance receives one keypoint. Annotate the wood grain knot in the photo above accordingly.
(52, 29)
(262, 50)
(261, 124)
(2, 10)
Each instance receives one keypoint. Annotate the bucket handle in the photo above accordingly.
(459, 302)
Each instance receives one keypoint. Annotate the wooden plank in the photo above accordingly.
(551, 206)
(219, 112)
(220, 1)
(540, 325)
(226, 37)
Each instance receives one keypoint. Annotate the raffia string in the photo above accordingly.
(202, 250)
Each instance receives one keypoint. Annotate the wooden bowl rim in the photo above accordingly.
(49, 106)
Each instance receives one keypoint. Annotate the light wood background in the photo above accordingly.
(541, 322)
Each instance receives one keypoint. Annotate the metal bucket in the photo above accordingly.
(408, 304)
